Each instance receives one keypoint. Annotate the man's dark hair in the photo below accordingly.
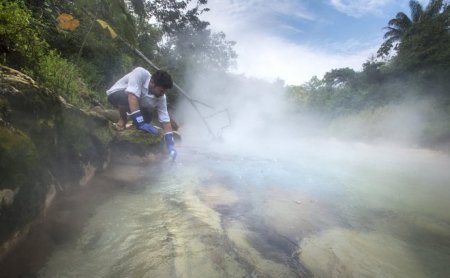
(163, 79)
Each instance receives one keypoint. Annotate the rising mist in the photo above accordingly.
(257, 117)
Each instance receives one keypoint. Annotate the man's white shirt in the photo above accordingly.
(136, 82)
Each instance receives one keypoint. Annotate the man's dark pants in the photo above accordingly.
(120, 98)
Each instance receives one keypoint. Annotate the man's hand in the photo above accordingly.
(170, 144)
(138, 120)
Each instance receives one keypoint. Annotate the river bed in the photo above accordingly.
(362, 211)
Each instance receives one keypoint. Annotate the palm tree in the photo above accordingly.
(399, 26)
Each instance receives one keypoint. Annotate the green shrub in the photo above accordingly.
(21, 43)
(63, 78)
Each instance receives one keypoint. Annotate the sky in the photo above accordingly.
(294, 40)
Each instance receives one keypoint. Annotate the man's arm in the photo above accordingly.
(170, 142)
(167, 127)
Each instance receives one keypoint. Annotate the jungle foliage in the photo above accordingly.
(81, 62)
(412, 63)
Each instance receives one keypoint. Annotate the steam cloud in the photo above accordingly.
(262, 120)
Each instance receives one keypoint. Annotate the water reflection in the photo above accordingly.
(218, 215)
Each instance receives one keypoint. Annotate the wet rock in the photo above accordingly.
(217, 195)
(48, 146)
(347, 253)
(7, 196)
(296, 219)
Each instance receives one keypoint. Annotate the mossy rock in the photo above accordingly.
(18, 157)
(136, 136)
(24, 181)
(137, 142)
(24, 95)
(46, 142)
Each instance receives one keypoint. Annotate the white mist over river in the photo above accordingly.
(371, 212)
(269, 199)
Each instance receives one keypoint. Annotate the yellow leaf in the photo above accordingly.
(67, 22)
(102, 23)
(105, 25)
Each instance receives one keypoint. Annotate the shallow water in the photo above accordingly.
(356, 211)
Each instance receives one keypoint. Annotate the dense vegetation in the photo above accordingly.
(80, 61)
(412, 66)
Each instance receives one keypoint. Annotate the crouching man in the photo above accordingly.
(140, 89)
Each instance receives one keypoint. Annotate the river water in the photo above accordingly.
(328, 209)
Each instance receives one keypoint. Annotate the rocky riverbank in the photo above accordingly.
(48, 148)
